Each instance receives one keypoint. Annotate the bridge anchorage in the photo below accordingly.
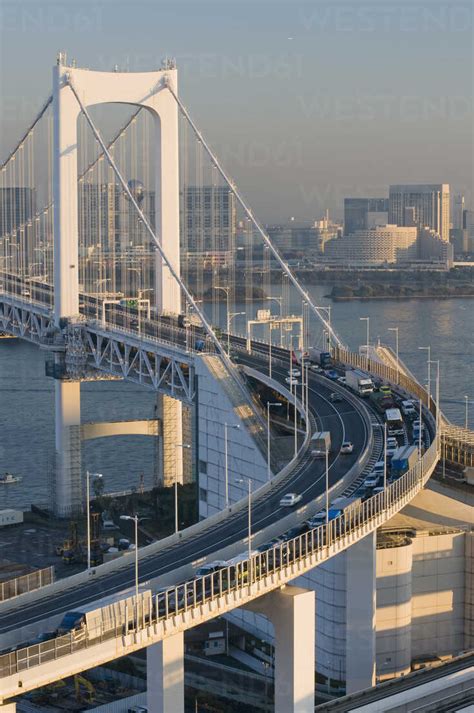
(116, 260)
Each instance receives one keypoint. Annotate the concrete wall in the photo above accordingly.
(469, 593)
(214, 408)
(438, 594)
(421, 590)
(394, 600)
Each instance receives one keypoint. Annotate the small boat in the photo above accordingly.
(7, 478)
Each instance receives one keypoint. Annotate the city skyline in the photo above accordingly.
(349, 126)
(235, 424)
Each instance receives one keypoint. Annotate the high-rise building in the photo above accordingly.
(468, 225)
(109, 220)
(294, 237)
(458, 212)
(17, 206)
(430, 204)
(209, 219)
(364, 213)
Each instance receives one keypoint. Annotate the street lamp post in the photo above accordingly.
(420, 430)
(327, 332)
(226, 461)
(279, 300)
(135, 520)
(249, 483)
(367, 320)
(428, 349)
(227, 291)
(176, 522)
(437, 396)
(395, 329)
(230, 317)
(466, 411)
(296, 424)
(276, 404)
(327, 489)
(88, 498)
(385, 464)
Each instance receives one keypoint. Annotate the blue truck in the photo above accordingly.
(403, 459)
(323, 359)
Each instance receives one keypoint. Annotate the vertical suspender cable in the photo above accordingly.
(220, 350)
(304, 294)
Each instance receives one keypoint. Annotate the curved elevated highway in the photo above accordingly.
(196, 600)
(346, 420)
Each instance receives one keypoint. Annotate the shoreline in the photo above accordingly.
(396, 297)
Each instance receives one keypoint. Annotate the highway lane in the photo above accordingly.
(341, 419)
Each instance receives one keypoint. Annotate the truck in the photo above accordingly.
(394, 421)
(346, 504)
(382, 401)
(359, 382)
(320, 443)
(316, 356)
(403, 459)
(107, 613)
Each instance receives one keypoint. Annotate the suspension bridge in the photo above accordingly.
(126, 250)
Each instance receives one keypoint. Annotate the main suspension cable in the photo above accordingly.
(304, 294)
(27, 133)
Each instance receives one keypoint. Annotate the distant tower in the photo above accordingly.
(458, 212)
(429, 201)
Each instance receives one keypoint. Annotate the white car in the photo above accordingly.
(315, 367)
(294, 372)
(392, 442)
(342, 380)
(347, 447)
(292, 381)
(210, 568)
(372, 481)
(290, 499)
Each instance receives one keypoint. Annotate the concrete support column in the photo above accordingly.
(172, 429)
(165, 675)
(360, 614)
(292, 613)
(68, 486)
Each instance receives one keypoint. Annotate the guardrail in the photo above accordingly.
(260, 573)
(26, 583)
(385, 372)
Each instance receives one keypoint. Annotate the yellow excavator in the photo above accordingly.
(81, 681)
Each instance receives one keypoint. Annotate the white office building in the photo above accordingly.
(421, 205)
(382, 245)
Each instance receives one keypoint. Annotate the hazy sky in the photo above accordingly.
(305, 102)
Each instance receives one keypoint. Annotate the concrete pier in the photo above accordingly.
(165, 675)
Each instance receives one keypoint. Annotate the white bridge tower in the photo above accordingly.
(147, 89)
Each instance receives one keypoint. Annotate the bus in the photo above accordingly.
(394, 421)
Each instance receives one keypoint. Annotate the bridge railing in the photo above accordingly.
(277, 564)
(26, 583)
(386, 372)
